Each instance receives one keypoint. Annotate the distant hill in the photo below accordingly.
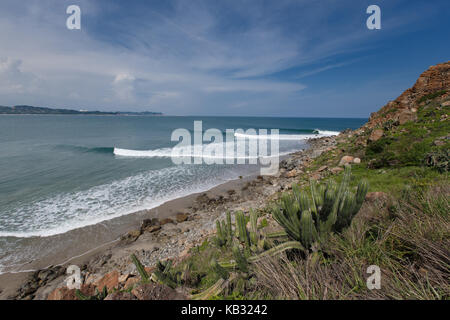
(23, 109)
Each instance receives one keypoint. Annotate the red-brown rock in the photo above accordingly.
(110, 280)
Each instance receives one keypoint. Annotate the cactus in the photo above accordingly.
(240, 259)
(309, 218)
(140, 268)
(290, 245)
(97, 296)
(221, 238)
(166, 279)
(214, 290)
(219, 270)
(242, 229)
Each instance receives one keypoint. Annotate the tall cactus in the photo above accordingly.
(309, 217)
(140, 268)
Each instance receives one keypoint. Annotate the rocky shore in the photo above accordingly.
(159, 239)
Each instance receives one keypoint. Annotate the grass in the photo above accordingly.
(408, 239)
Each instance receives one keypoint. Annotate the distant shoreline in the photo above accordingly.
(30, 110)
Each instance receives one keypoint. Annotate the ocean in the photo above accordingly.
(63, 172)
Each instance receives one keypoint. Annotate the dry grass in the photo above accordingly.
(408, 239)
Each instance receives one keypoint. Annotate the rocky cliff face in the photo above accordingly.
(433, 82)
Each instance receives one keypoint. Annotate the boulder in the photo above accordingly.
(356, 160)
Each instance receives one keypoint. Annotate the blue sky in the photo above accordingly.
(240, 58)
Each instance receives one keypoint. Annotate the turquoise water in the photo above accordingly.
(58, 173)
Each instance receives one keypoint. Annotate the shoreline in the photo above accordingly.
(182, 223)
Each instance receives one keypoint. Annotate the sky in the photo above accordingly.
(287, 58)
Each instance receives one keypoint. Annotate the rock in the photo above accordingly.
(345, 160)
(130, 236)
(154, 291)
(110, 280)
(446, 103)
(147, 223)
(124, 277)
(88, 289)
(376, 196)
(438, 143)
(181, 217)
(357, 160)
(336, 170)
(322, 168)
(166, 221)
(291, 174)
(315, 176)
(62, 293)
(153, 228)
(119, 295)
(406, 115)
(376, 135)
(91, 278)
(131, 282)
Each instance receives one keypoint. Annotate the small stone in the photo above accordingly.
(154, 291)
(119, 295)
(123, 277)
(181, 217)
(315, 176)
(166, 221)
(322, 168)
(345, 160)
(131, 282)
(291, 174)
(336, 170)
(357, 160)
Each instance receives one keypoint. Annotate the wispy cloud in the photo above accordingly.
(177, 57)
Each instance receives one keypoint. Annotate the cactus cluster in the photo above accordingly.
(250, 239)
(309, 217)
(164, 273)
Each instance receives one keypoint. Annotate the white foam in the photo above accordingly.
(296, 137)
(66, 212)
